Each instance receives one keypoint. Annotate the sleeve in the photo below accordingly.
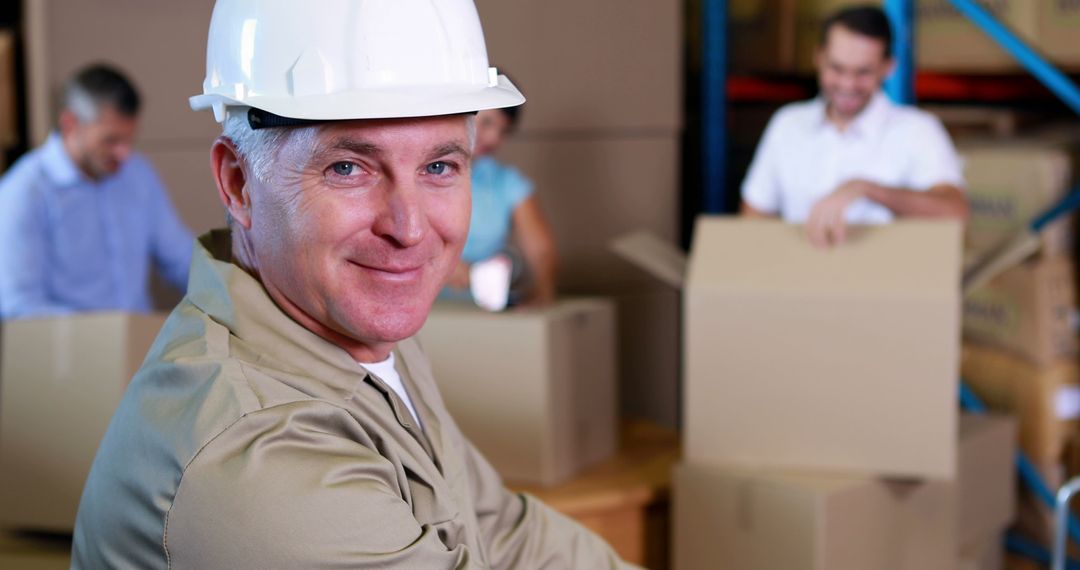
(289, 487)
(934, 158)
(522, 532)
(761, 187)
(24, 250)
(172, 241)
(516, 187)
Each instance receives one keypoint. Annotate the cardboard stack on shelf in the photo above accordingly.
(779, 36)
(1020, 343)
(821, 427)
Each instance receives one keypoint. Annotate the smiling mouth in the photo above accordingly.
(393, 273)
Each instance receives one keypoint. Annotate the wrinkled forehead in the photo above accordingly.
(395, 137)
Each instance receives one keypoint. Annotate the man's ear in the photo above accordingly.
(231, 181)
(890, 67)
(67, 122)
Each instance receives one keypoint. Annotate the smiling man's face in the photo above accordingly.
(357, 232)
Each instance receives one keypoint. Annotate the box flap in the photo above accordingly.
(657, 257)
(768, 257)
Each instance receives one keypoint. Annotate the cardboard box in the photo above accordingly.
(1059, 23)
(756, 520)
(986, 481)
(821, 354)
(987, 554)
(578, 177)
(1044, 399)
(945, 40)
(1026, 311)
(61, 381)
(35, 552)
(765, 520)
(1008, 184)
(534, 390)
(762, 35)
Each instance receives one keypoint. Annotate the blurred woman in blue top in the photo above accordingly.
(504, 207)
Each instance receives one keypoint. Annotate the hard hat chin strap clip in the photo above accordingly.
(259, 119)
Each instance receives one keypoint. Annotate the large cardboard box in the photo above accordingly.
(758, 520)
(61, 381)
(1044, 399)
(986, 480)
(946, 40)
(1026, 311)
(753, 519)
(1008, 184)
(590, 199)
(987, 554)
(534, 390)
(822, 355)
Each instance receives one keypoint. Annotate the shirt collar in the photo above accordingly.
(231, 296)
(58, 164)
(870, 121)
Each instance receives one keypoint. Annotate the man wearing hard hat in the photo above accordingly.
(284, 417)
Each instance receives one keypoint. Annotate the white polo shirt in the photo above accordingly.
(803, 157)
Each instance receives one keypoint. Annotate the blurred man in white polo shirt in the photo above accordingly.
(851, 156)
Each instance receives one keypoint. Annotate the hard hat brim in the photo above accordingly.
(417, 101)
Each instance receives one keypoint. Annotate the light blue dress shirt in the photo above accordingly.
(72, 244)
(497, 189)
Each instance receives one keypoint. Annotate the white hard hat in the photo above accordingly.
(349, 59)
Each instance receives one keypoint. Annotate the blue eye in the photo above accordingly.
(437, 168)
(344, 168)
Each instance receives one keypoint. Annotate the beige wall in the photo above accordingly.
(599, 136)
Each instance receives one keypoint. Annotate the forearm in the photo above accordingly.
(943, 201)
(748, 211)
(543, 264)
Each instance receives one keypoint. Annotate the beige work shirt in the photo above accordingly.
(246, 441)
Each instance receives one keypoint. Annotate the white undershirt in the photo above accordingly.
(386, 372)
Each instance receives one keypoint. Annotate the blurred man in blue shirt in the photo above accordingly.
(83, 216)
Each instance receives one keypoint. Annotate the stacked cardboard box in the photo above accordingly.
(772, 519)
(1020, 351)
(534, 390)
(804, 369)
(62, 380)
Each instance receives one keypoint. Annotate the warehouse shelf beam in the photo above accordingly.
(901, 84)
(1044, 71)
(714, 56)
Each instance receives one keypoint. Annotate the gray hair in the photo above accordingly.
(99, 85)
(261, 148)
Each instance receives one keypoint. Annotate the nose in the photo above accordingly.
(401, 218)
